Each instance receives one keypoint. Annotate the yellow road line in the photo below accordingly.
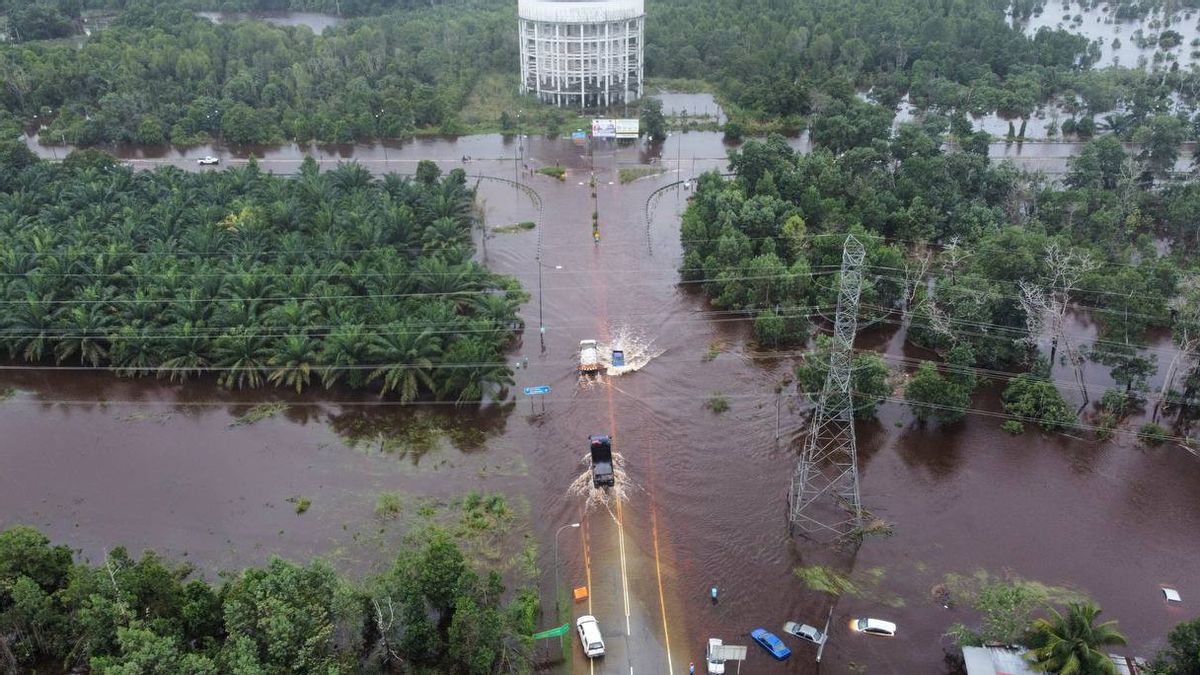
(624, 569)
(662, 601)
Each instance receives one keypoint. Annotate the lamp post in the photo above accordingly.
(520, 152)
(572, 525)
(382, 141)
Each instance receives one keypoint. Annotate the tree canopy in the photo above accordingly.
(328, 278)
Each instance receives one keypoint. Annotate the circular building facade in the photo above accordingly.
(582, 53)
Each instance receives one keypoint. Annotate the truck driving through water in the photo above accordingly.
(602, 461)
(589, 357)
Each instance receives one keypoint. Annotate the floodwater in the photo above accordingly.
(1118, 39)
(316, 22)
(161, 466)
(688, 151)
(698, 107)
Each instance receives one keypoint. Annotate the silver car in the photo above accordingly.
(804, 632)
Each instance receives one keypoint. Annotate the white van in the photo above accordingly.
(589, 636)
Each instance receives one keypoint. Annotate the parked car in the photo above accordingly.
(804, 632)
(589, 636)
(716, 662)
(874, 627)
(771, 643)
(208, 159)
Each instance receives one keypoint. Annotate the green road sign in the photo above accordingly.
(553, 632)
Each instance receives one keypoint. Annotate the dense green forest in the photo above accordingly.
(330, 278)
(162, 74)
(978, 261)
(413, 67)
(789, 61)
(433, 612)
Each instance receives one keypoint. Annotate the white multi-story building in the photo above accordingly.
(582, 53)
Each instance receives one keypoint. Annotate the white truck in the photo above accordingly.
(589, 357)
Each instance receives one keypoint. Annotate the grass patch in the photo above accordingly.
(969, 586)
(827, 580)
(630, 174)
(387, 505)
(515, 227)
(258, 413)
(554, 172)
(301, 502)
(715, 347)
(717, 403)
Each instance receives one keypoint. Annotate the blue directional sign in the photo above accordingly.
(544, 389)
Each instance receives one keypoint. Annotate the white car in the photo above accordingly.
(589, 636)
(716, 662)
(874, 627)
(804, 632)
(208, 159)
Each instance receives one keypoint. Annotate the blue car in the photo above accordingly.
(772, 644)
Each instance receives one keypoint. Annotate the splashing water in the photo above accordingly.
(639, 350)
(602, 497)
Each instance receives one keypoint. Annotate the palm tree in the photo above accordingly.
(245, 354)
(133, 351)
(408, 352)
(295, 360)
(1073, 644)
(472, 366)
(343, 349)
(187, 351)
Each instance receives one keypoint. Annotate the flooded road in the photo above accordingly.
(166, 466)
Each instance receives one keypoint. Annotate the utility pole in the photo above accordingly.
(824, 496)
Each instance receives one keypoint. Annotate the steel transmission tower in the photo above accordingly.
(824, 494)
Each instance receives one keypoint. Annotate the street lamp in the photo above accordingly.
(520, 152)
(382, 141)
(572, 525)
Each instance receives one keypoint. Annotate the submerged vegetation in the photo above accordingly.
(979, 262)
(333, 278)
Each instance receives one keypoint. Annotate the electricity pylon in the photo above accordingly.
(824, 497)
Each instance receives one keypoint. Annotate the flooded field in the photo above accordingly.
(96, 461)
(316, 22)
(1132, 42)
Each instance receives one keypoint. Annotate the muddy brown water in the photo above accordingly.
(95, 461)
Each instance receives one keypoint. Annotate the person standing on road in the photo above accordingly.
(691, 669)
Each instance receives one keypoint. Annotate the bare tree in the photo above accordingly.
(1185, 310)
(1046, 308)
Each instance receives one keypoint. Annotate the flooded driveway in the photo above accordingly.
(169, 467)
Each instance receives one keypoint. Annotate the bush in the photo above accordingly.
(1013, 427)
(1115, 402)
(554, 172)
(1035, 398)
(734, 131)
(387, 505)
(1152, 434)
(717, 403)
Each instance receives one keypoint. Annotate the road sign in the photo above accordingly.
(553, 632)
(544, 389)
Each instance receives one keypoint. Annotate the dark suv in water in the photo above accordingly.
(602, 461)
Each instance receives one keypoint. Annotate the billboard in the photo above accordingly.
(615, 128)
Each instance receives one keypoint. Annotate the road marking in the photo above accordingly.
(587, 566)
(662, 601)
(624, 569)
